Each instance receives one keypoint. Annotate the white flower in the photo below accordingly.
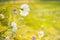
(13, 24)
(41, 34)
(24, 10)
(25, 7)
(24, 13)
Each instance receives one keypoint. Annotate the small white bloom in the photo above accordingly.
(42, 25)
(24, 13)
(13, 24)
(41, 34)
(24, 10)
(25, 7)
(4, 8)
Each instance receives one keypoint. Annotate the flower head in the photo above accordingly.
(24, 13)
(14, 25)
(24, 10)
(25, 7)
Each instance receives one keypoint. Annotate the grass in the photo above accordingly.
(38, 19)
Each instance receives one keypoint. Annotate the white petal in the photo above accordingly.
(14, 29)
(27, 9)
(13, 24)
(24, 13)
(24, 6)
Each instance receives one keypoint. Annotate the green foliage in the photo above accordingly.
(6, 15)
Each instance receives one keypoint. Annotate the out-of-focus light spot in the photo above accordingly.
(46, 38)
(2, 16)
(33, 37)
(41, 33)
(54, 21)
(20, 36)
(21, 19)
(57, 38)
(48, 12)
(43, 19)
(42, 25)
(4, 8)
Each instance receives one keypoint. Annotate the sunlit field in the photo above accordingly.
(43, 17)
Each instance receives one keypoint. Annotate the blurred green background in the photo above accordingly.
(43, 16)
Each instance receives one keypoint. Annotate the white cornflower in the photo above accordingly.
(24, 11)
(14, 25)
(41, 34)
